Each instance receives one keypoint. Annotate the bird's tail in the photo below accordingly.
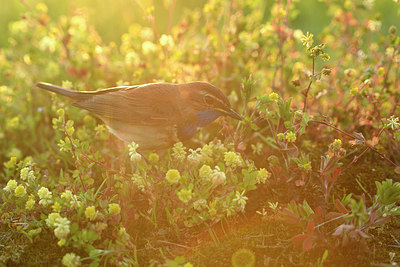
(62, 91)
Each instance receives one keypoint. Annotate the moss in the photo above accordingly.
(360, 178)
(17, 250)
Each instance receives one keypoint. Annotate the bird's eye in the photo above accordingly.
(209, 100)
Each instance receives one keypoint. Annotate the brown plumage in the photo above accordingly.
(154, 116)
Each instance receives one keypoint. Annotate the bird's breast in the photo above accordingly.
(148, 137)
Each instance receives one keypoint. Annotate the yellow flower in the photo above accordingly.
(178, 151)
(257, 148)
(67, 195)
(274, 97)
(30, 203)
(200, 204)
(134, 156)
(262, 176)
(67, 84)
(60, 112)
(19, 27)
(51, 219)
(153, 158)
(20, 191)
(24, 173)
(336, 144)
(148, 48)
(100, 131)
(146, 33)
(71, 198)
(212, 212)
(374, 25)
(232, 159)
(218, 177)
(281, 137)
(354, 91)
(78, 22)
(381, 71)
(11, 163)
(122, 231)
(47, 44)
(75, 203)
(61, 242)
(166, 40)
(71, 260)
(45, 196)
(290, 137)
(11, 185)
(297, 34)
(41, 7)
(173, 176)
(243, 257)
(62, 227)
(205, 172)
(114, 208)
(206, 154)
(132, 59)
(194, 156)
(12, 123)
(185, 195)
(91, 213)
(335, 149)
(139, 182)
(56, 207)
(240, 199)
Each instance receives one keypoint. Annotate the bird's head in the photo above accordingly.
(205, 97)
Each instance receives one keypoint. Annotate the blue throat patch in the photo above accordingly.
(203, 117)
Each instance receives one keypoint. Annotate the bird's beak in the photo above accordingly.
(231, 113)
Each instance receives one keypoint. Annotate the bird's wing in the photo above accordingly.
(144, 104)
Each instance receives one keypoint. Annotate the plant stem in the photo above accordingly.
(309, 85)
(75, 157)
(356, 138)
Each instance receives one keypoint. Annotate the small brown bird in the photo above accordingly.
(155, 116)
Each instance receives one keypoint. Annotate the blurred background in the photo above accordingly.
(112, 18)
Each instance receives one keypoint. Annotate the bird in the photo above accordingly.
(155, 115)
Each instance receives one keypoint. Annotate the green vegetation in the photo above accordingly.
(310, 176)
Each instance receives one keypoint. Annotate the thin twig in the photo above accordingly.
(150, 17)
(175, 244)
(103, 165)
(171, 15)
(355, 159)
(385, 82)
(281, 41)
(394, 238)
(74, 155)
(309, 85)
(356, 138)
(331, 220)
